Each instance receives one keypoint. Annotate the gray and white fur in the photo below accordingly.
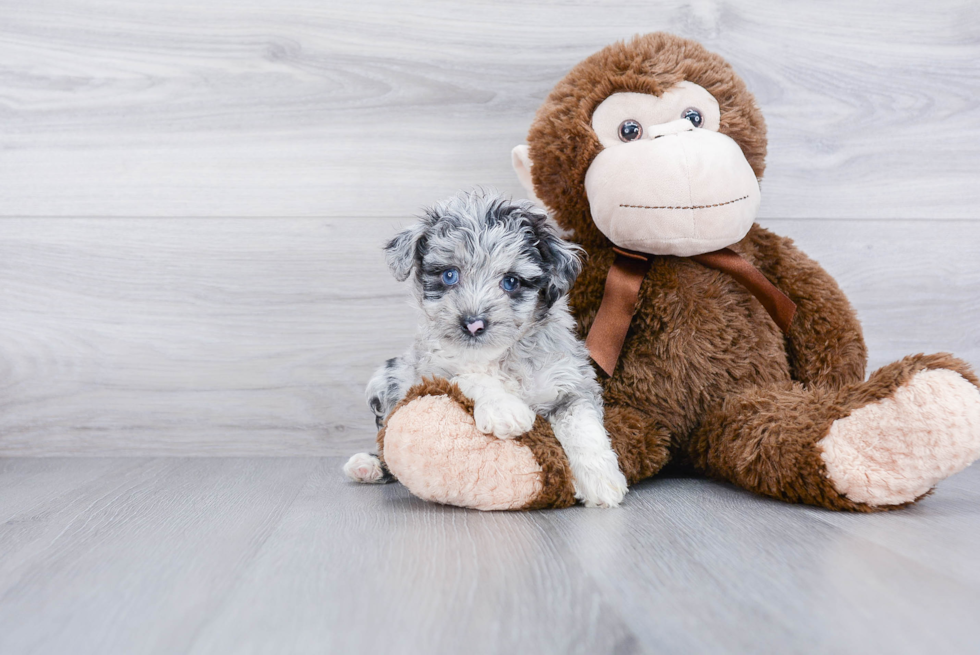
(491, 280)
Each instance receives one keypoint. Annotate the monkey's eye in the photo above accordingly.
(510, 283)
(630, 130)
(450, 276)
(693, 114)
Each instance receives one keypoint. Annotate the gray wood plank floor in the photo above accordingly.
(283, 555)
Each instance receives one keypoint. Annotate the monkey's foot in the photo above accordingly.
(432, 445)
(895, 449)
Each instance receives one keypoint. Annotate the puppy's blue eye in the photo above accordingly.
(450, 276)
(510, 283)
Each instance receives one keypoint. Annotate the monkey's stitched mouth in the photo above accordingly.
(717, 204)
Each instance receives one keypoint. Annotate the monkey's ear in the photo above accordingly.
(562, 259)
(405, 251)
(520, 159)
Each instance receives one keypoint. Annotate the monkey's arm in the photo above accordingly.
(824, 343)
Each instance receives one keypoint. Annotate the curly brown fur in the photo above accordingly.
(765, 439)
(642, 447)
(557, 489)
(825, 343)
(697, 335)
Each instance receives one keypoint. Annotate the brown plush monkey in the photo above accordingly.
(648, 153)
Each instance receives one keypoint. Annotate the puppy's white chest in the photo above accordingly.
(452, 364)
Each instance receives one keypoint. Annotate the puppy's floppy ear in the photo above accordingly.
(560, 257)
(405, 251)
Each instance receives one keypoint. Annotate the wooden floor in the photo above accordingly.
(283, 555)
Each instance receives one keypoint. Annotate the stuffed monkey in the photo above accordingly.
(720, 345)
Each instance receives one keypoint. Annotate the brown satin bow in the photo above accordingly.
(608, 332)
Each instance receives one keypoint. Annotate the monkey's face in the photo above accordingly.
(654, 144)
(666, 181)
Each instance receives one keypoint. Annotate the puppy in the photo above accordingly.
(491, 280)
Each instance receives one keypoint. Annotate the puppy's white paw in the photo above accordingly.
(365, 468)
(598, 480)
(504, 416)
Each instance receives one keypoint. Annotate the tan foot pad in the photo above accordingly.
(433, 447)
(895, 450)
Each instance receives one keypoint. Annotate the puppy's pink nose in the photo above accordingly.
(476, 327)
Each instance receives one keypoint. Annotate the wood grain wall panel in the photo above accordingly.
(192, 333)
(341, 109)
(234, 336)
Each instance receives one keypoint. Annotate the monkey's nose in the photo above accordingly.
(666, 129)
(475, 325)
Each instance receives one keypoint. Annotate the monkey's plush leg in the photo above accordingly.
(431, 444)
(866, 446)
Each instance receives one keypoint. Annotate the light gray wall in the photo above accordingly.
(193, 194)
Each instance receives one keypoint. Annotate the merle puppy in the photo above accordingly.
(491, 280)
